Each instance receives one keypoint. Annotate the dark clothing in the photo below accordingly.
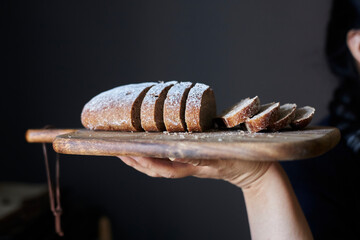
(327, 187)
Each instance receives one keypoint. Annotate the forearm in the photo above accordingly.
(273, 209)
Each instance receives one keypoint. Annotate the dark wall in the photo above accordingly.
(59, 54)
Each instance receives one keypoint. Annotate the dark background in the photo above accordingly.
(59, 54)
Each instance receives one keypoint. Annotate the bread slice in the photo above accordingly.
(286, 115)
(239, 112)
(200, 108)
(267, 115)
(174, 107)
(116, 109)
(303, 117)
(152, 107)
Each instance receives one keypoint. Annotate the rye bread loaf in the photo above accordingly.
(174, 107)
(116, 109)
(152, 107)
(303, 117)
(239, 112)
(200, 108)
(286, 115)
(267, 115)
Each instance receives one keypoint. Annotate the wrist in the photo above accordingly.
(262, 182)
(253, 177)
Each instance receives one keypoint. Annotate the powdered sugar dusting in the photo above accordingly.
(194, 106)
(101, 109)
(173, 118)
(158, 88)
(196, 92)
(176, 92)
(149, 103)
(119, 96)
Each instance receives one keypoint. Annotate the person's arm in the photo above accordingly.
(273, 209)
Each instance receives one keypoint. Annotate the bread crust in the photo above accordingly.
(116, 109)
(174, 107)
(152, 107)
(261, 121)
(284, 121)
(300, 122)
(200, 108)
(235, 115)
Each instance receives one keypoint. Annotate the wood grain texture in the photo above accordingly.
(45, 135)
(230, 144)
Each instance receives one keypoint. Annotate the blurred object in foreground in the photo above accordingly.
(25, 214)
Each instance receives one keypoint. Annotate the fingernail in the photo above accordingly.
(172, 158)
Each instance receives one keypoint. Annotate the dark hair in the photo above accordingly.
(345, 106)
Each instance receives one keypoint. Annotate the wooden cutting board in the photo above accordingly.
(230, 144)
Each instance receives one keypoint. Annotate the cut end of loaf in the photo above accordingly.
(304, 112)
(265, 109)
(267, 115)
(303, 117)
(285, 109)
(285, 116)
(239, 112)
(135, 113)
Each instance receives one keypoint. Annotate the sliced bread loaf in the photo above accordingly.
(303, 117)
(239, 112)
(200, 108)
(267, 115)
(174, 107)
(286, 115)
(152, 107)
(116, 109)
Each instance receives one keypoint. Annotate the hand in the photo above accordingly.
(241, 173)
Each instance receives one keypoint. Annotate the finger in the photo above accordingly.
(134, 164)
(153, 170)
(166, 168)
(197, 162)
(205, 168)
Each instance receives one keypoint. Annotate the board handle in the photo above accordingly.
(45, 135)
